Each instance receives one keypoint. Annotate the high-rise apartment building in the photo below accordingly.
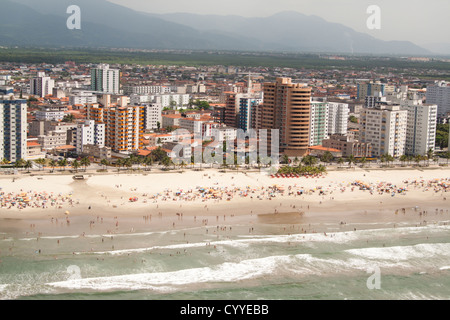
(287, 108)
(338, 114)
(248, 106)
(421, 127)
(13, 129)
(124, 126)
(41, 85)
(88, 132)
(440, 94)
(105, 80)
(152, 115)
(319, 122)
(385, 128)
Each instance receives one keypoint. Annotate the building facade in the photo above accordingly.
(105, 80)
(439, 94)
(287, 108)
(13, 130)
(385, 128)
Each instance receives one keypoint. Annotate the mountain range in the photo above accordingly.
(104, 24)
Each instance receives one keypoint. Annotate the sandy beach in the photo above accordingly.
(166, 235)
(172, 200)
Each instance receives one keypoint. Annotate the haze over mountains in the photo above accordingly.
(104, 24)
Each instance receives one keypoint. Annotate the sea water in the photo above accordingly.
(204, 262)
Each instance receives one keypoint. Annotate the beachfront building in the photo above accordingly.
(105, 80)
(41, 85)
(248, 108)
(338, 114)
(13, 129)
(348, 146)
(53, 139)
(318, 122)
(287, 108)
(439, 94)
(385, 128)
(421, 127)
(124, 126)
(89, 132)
(231, 117)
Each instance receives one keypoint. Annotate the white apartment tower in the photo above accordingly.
(319, 122)
(105, 80)
(440, 94)
(337, 117)
(89, 133)
(41, 85)
(13, 129)
(152, 115)
(385, 128)
(421, 127)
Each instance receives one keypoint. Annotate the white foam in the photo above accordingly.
(444, 268)
(404, 253)
(226, 272)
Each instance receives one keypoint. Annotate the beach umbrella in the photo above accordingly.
(67, 213)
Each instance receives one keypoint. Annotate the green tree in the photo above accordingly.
(327, 157)
(309, 160)
(166, 162)
(85, 162)
(75, 165)
(68, 118)
(40, 162)
(351, 159)
(63, 163)
(430, 154)
(28, 165)
(104, 163)
(53, 163)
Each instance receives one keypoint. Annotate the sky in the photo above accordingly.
(418, 21)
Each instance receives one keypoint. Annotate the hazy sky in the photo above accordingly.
(418, 21)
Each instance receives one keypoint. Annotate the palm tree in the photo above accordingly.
(285, 159)
(351, 159)
(403, 159)
(417, 159)
(166, 162)
(104, 163)
(363, 161)
(309, 160)
(19, 163)
(327, 157)
(447, 156)
(63, 163)
(430, 154)
(28, 165)
(119, 164)
(75, 165)
(53, 164)
(4, 161)
(340, 161)
(40, 162)
(85, 162)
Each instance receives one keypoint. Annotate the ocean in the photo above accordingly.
(232, 261)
